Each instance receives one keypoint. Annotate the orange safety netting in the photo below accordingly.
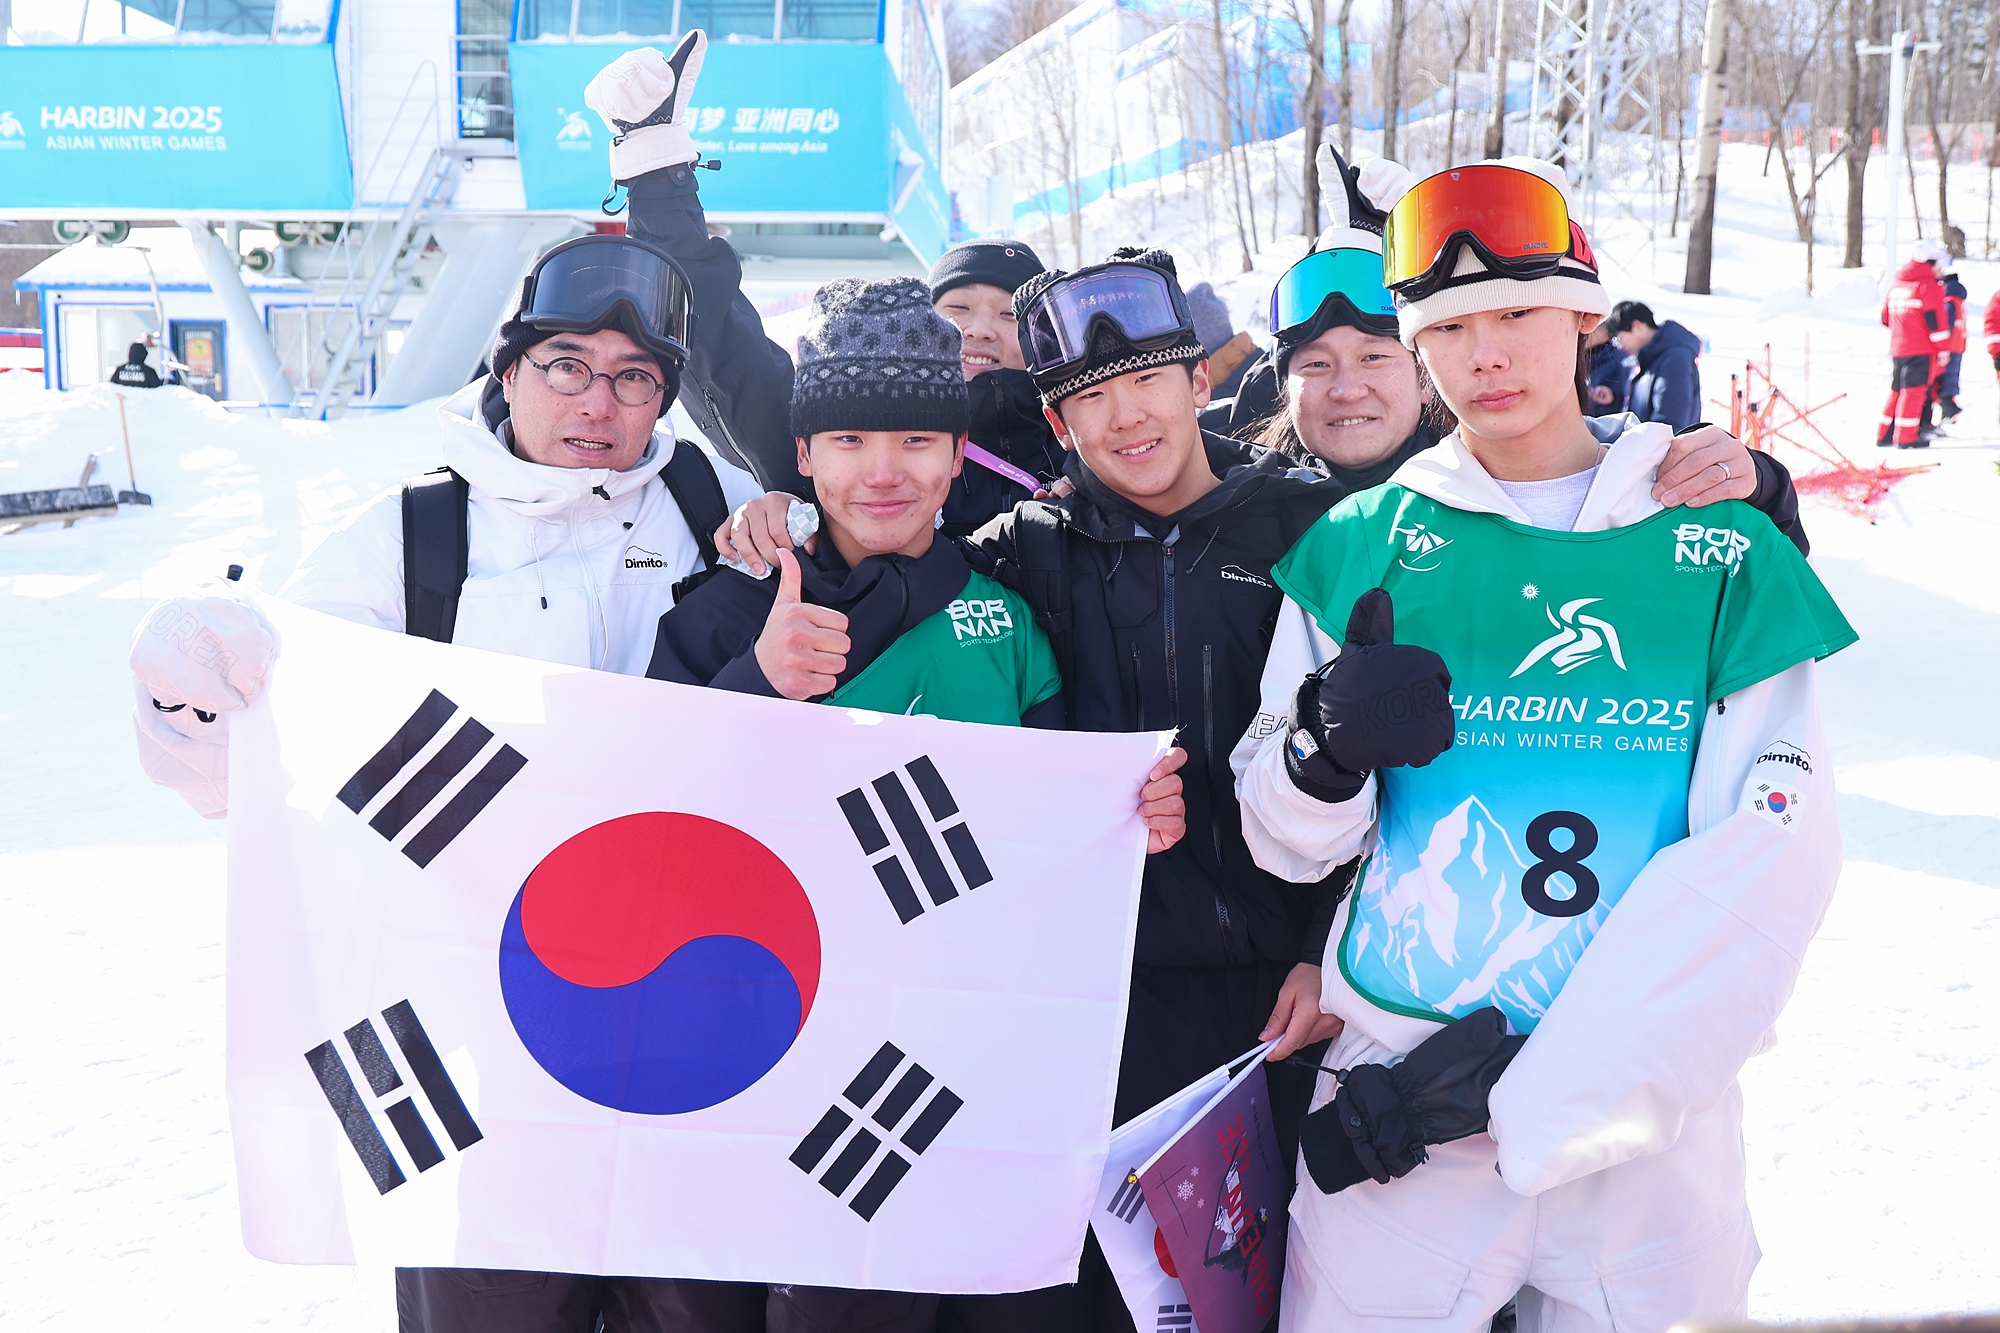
(1762, 415)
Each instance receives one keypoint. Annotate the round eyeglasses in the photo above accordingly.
(569, 376)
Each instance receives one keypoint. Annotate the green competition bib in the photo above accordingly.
(981, 659)
(1582, 668)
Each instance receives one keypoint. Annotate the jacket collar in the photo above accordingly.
(1621, 494)
(1242, 471)
(478, 439)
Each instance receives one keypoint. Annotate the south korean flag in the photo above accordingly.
(533, 967)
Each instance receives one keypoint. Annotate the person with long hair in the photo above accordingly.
(1576, 735)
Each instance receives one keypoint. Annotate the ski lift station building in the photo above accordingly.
(319, 202)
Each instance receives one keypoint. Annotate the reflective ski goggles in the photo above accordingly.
(1516, 222)
(1352, 274)
(579, 287)
(1140, 302)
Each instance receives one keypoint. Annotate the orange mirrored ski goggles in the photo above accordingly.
(1516, 222)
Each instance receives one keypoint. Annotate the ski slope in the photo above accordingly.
(1872, 1145)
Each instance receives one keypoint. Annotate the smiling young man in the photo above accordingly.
(883, 613)
(561, 491)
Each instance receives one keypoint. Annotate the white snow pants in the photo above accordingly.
(1632, 1249)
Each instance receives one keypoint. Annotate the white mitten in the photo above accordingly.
(1351, 222)
(1384, 182)
(210, 653)
(184, 753)
(643, 99)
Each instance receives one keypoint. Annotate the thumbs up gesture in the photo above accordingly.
(803, 648)
(1380, 704)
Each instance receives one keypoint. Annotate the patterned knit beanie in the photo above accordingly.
(876, 356)
(1109, 355)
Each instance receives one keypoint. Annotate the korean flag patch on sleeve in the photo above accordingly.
(1776, 786)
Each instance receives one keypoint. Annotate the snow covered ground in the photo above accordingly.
(1874, 1150)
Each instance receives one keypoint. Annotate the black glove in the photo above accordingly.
(1380, 704)
(1376, 1126)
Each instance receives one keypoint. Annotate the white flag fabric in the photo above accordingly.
(536, 967)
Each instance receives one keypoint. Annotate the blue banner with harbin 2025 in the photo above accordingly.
(828, 150)
(103, 128)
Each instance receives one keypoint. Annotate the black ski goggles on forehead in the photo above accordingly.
(579, 286)
(1144, 305)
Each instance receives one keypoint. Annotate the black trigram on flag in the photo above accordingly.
(864, 1146)
(1129, 1199)
(1175, 1319)
(422, 788)
(914, 838)
(371, 1057)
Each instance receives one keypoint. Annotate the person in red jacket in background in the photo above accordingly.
(1944, 387)
(1992, 331)
(1918, 337)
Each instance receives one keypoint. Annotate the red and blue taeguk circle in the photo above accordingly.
(659, 963)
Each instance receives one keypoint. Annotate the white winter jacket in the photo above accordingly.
(570, 565)
(1688, 973)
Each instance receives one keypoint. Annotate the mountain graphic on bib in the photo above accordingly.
(1462, 903)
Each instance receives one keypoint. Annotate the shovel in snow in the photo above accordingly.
(135, 496)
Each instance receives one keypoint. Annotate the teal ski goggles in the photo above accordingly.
(1354, 275)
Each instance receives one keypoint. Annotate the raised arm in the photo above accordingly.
(738, 383)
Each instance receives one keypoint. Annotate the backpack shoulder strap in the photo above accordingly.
(434, 552)
(1041, 550)
(697, 492)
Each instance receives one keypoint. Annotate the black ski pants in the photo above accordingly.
(485, 1300)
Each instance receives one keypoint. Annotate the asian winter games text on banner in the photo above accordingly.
(540, 968)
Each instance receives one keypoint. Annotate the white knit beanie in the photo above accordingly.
(1574, 286)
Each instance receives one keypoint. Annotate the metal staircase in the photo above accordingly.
(395, 260)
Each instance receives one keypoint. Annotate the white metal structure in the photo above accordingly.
(1900, 50)
(1595, 70)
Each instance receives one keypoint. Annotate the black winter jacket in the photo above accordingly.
(738, 383)
(1171, 619)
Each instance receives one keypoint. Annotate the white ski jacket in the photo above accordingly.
(570, 565)
(1690, 970)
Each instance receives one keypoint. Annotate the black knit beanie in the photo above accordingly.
(1109, 355)
(1002, 264)
(876, 356)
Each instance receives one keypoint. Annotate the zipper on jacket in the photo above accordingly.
(1139, 685)
(1173, 675)
(1208, 744)
(1208, 778)
(603, 636)
(716, 414)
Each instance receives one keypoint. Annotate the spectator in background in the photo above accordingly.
(1945, 387)
(1668, 386)
(1230, 353)
(1608, 374)
(135, 373)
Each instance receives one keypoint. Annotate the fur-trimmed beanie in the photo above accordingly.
(876, 356)
(1109, 355)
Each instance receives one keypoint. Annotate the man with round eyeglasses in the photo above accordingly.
(574, 517)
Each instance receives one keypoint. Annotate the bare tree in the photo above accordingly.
(1314, 119)
(1701, 228)
(1496, 129)
(1347, 82)
(1863, 100)
(1392, 76)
